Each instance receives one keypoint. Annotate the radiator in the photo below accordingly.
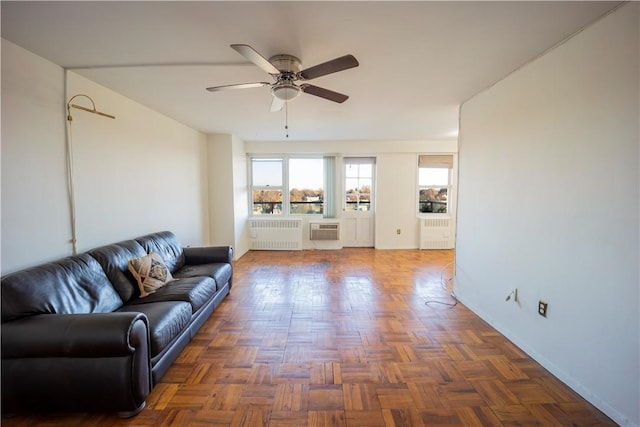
(276, 234)
(437, 233)
(324, 231)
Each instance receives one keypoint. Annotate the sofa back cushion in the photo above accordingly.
(73, 285)
(166, 245)
(115, 260)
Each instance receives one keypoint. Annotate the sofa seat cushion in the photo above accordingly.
(166, 321)
(194, 290)
(73, 285)
(221, 272)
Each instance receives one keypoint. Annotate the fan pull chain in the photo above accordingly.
(286, 119)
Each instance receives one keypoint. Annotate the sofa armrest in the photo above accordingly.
(208, 255)
(76, 362)
(75, 335)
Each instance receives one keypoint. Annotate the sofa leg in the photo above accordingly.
(129, 414)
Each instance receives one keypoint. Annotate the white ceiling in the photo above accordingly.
(418, 60)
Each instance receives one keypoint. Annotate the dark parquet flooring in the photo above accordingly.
(348, 338)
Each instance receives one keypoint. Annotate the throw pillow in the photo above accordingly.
(150, 272)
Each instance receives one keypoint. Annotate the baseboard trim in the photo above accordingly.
(567, 379)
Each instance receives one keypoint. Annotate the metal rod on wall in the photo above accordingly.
(79, 107)
(72, 198)
(93, 111)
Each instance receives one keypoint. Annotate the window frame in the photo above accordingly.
(254, 188)
(288, 184)
(285, 188)
(438, 162)
(368, 161)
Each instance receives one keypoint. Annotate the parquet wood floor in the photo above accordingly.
(345, 338)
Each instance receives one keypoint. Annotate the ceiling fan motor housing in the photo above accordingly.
(289, 67)
(286, 63)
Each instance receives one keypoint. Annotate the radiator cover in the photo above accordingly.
(275, 234)
(437, 233)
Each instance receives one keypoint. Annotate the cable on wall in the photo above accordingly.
(70, 183)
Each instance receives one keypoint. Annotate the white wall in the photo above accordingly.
(139, 173)
(549, 204)
(221, 207)
(228, 201)
(240, 198)
(35, 215)
(396, 169)
(396, 207)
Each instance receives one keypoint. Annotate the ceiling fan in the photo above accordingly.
(286, 70)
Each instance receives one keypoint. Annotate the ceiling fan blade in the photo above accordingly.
(238, 86)
(333, 66)
(276, 104)
(324, 93)
(252, 55)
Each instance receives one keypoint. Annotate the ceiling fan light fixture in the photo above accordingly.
(286, 92)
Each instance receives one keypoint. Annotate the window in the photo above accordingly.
(434, 183)
(266, 186)
(306, 178)
(287, 186)
(358, 184)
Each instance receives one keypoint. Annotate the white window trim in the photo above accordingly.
(354, 159)
(286, 207)
(452, 189)
(252, 188)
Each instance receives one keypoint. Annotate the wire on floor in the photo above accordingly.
(445, 286)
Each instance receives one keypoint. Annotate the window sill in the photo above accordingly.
(434, 215)
(293, 216)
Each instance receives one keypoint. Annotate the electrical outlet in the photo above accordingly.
(398, 231)
(542, 308)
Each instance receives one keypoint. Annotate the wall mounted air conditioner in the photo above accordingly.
(324, 231)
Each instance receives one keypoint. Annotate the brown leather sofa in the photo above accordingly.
(77, 336)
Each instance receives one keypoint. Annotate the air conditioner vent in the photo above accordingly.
(324, 231)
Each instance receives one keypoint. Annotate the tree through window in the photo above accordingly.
(358, 184)
(434, 183)
(287, 186)
(266, 188)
